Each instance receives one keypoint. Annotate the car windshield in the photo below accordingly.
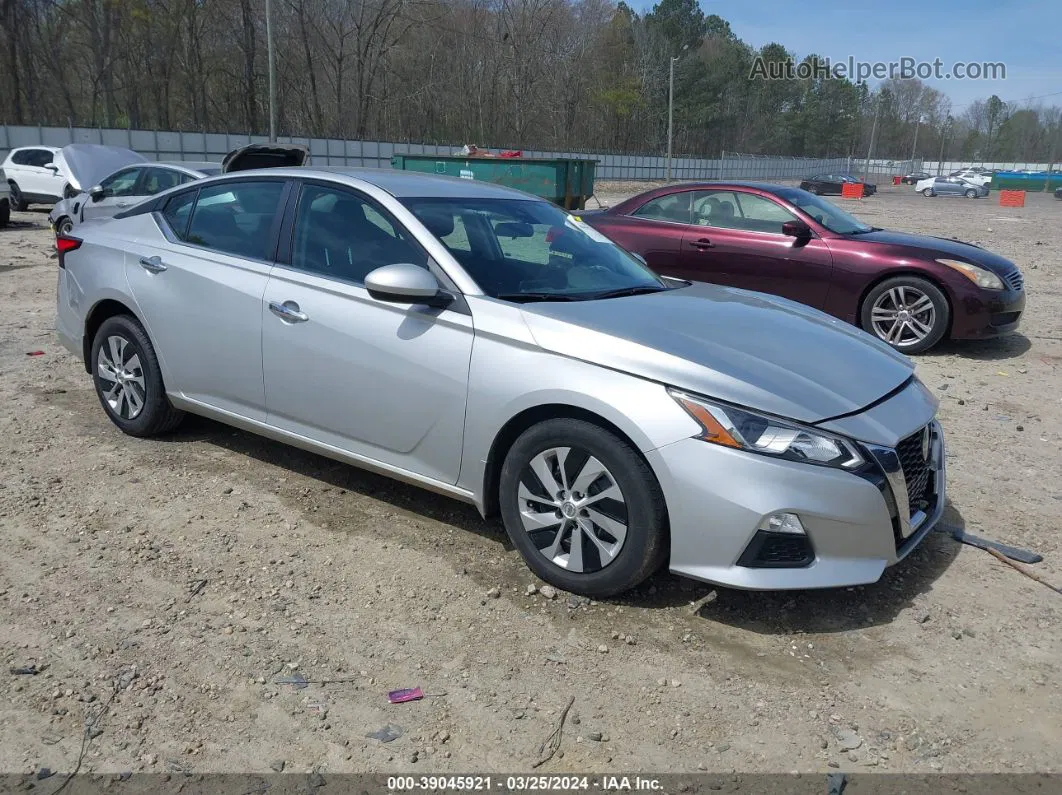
(829, 215)
(527, 250)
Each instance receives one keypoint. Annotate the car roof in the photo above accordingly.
(400, 184)
(36, 146)
(191, 166)
(767, 187)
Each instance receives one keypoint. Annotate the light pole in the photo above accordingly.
(943, 137)
(671, 105)
(873, 132)
(272, 72)
(914, 146)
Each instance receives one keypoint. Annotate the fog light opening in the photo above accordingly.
(782, 522)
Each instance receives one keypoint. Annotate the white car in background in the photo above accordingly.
(34, 175)
(976, 177)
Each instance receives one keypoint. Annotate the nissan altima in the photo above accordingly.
(482, 343)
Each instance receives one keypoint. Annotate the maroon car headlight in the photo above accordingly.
(979, 276)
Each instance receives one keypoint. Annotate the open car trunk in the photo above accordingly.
(272, 155)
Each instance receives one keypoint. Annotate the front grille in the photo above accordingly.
(916, 470)
(1015, 280)
(769, 550)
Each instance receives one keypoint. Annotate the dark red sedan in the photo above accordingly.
(909, 290)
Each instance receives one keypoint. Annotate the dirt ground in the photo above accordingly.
(166, 584)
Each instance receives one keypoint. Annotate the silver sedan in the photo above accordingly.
(482, 343)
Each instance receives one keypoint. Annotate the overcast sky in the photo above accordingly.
(1026, 35)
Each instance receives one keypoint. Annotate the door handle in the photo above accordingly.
(153, 264)
(122, 204)
(702, 243)
(288, 311)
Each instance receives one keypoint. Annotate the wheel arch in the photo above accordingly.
(914, 273)
(528, 417)
(101, 311)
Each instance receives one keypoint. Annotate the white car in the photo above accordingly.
(976, 177)
(35, 175)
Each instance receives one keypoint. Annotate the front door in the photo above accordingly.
(202, 295)
(382, 381)
(736, 239)
(119, 192)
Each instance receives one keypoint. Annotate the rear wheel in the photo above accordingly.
(909, 313)
(128, 380)
(927, 192)
(18, 201)
(584, 510)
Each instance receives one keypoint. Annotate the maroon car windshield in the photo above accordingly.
(826, 213)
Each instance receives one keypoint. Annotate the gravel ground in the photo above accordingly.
(165, 585)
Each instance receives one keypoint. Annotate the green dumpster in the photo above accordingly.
(568, 182)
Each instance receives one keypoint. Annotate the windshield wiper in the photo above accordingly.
(624, 291)
(526, 298)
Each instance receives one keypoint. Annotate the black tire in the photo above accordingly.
(156, 415)
(645, 513)
(971, 194)
(64, 226)
(941, 318)
(927, 192)
(18, 201)
(815, 190)
(5, 213)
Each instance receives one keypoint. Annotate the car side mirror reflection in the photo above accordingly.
(96, 192)
(405, 283)
(797, 229)
(640, 258)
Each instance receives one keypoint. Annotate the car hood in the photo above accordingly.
(272, 155)
(752, 349)
(86, 164)
(941, 247)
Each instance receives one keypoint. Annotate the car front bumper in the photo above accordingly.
(983, 314)
(855, 524)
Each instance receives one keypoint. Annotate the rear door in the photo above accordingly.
(383, 381)
(120, 190)
(35, 180)
(736, 239)
(200, 286)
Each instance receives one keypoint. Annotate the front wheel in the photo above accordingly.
(909, 313)
(971, 194)
(584, 510)
(5, 213)
(928, 193)
(64, 226)
(125, 371)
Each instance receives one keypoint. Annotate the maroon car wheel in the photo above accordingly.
(909, 313)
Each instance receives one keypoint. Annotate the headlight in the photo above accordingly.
(978, 276)
(757, 433)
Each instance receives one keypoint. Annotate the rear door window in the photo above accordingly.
(235, 218)
(674, 207)
(156, 180)
(177, 211)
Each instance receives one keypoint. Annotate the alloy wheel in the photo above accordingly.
(573, 509)
(66, 226)
(122, 377)
(903, 316)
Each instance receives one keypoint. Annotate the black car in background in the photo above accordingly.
(1058, 193)
(915, 176)
(824, 184)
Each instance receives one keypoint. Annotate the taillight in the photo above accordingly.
(64, 244)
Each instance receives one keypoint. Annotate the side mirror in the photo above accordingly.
(797, 229)
(406, 283)
(96, 192)
(52, 167)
